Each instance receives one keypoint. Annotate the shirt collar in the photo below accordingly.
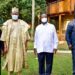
(45, 24)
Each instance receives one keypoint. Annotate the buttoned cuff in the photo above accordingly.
(55, 46)
(34, 46)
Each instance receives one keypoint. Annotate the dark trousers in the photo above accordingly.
(1, 47)
(73, 58)
(45, 60)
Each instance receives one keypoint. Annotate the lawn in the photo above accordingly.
(63, 46)
(62, 65)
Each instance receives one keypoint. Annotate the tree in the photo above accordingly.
(25, 7)
(33, 17)
(38, 6)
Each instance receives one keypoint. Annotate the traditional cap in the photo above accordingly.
(42, 15)
(14, 9)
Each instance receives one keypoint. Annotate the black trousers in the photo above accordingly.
(45, 63)
(73, 59)
(1, 47)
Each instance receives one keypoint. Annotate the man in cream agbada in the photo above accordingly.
(15, 34)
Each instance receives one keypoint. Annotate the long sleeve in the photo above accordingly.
(55, 39)
(68, 34)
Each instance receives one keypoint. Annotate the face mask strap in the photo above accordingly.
(44, 23)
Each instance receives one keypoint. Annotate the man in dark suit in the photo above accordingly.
(70, 38)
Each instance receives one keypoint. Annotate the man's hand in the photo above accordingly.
(26, 45)
(70, 47)
(55, 50)
(5, 48)
(35, 52)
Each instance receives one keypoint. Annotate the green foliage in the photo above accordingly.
(25, 7)
(40, 6)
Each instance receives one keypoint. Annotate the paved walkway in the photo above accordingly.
(67, 51)
(59, 51)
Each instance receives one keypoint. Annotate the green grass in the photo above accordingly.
(30, 45)
(60, 46)
(63, 46)
(62, 65)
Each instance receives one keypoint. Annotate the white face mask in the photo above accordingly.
(15, 17)
(44, 20)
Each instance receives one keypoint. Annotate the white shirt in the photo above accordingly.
(45, 39)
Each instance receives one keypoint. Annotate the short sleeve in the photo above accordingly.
(25, 28)
(25, 25)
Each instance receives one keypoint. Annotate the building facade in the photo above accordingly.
(60, 13)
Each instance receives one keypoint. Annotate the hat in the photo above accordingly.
(15, 10)
(42, 15)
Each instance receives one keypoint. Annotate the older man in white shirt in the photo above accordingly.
(45, 44)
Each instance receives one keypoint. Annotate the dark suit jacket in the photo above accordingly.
(70, 33)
